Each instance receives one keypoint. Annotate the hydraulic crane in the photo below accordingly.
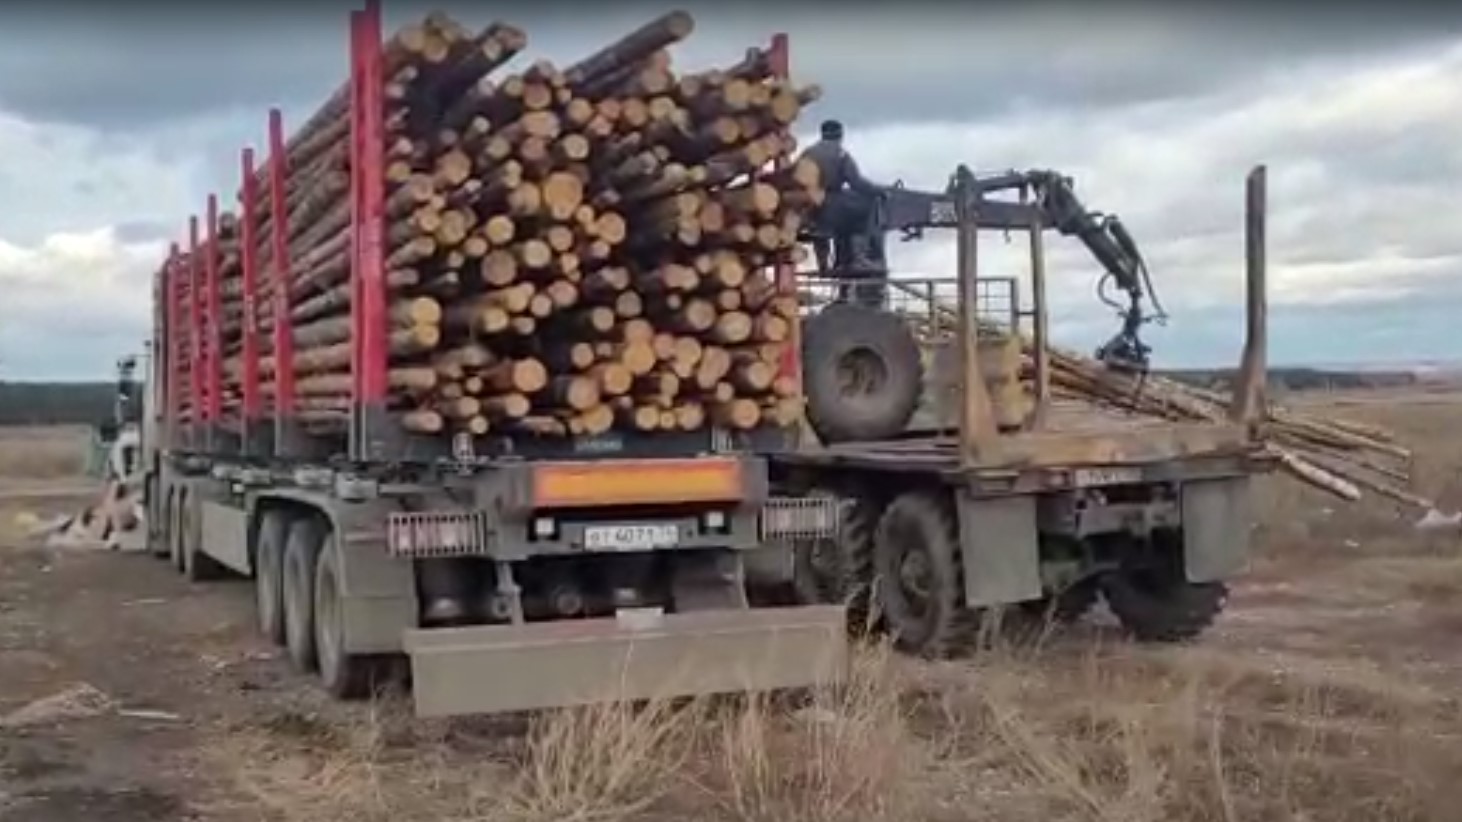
(1048, 200)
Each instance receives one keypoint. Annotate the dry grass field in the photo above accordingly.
(39, 454)
(1328, 691)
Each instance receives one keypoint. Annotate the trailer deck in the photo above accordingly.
(1044, 450)
(1036, 462)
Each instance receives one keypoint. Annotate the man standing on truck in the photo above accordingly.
(846, 216)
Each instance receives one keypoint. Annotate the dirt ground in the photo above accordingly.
(1328, 691)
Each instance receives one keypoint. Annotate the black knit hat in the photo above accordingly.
(832, 130)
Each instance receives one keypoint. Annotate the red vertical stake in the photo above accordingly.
(368, 297)
(172, 342)
(373, 209)
(195, 327)
(162, 343)
(357, 389)
(214, 316)
(279, 251)
(790, 365)
(249, 387)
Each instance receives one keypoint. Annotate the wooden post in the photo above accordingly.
(977, 432)
(1250, 397)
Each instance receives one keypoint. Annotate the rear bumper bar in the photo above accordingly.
(502, 668)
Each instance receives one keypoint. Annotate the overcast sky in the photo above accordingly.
(114, 125)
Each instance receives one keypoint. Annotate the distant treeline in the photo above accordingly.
(1298, 379)
(56, 403)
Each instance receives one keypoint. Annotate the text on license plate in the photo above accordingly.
(1106, 476)
(630, 537)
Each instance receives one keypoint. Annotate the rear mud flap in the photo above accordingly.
(501, 668)
(1217, 517)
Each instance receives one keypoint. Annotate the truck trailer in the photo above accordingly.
(518, 573)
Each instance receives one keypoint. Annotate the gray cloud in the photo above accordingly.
(133, 66)
(1157, 114)
(144, 231)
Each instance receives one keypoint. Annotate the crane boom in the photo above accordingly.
(1052, 204)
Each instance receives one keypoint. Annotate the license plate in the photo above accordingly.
(1106, 476)
(630, 537)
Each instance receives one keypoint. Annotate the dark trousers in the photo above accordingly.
(847, 217)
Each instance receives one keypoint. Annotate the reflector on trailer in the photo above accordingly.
(637, 482)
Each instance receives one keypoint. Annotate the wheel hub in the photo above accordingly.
(914, 574)
(861, 372)
(824, 559)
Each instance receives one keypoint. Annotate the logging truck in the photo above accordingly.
(980, 472)
(500, 382)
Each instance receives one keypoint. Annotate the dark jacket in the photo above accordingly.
(838, 168)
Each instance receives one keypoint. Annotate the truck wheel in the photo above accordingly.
(268, 577)
(1156, 603)
(345, 676)
(301, 552)
(816, 568)
(178, 529)
(162, 547)
(855, 547)
(157, 523)
(840, 571)
(862, 374)
(919, 585)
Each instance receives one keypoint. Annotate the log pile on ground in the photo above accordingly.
(1342, 457)
(568, 249)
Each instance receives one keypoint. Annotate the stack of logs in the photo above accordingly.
(567, 250)
(1342, 457)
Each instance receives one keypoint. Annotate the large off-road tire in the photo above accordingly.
(840, 570)
(862, 374)
(157, 522)
(301, 554)
(162, 524)
(268, 573)
(817, 570)
(344, 675)
(1155, 602)
(919, 581)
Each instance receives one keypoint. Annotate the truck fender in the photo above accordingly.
(1216, 527)
(998, 547)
